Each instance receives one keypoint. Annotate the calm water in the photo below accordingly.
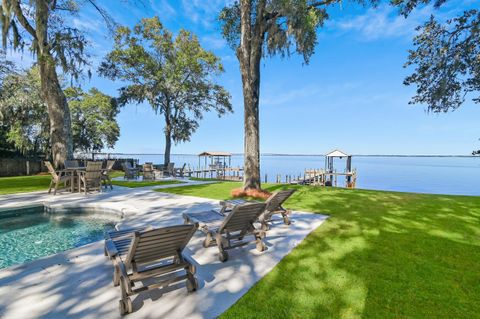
(29, 235)
(438, 175)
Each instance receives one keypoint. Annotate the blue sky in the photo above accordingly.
(350, 96)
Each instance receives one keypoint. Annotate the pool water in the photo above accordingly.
(30, 233)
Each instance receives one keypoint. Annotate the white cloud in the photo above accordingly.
(86, 24)
(296, 94)
(202, 11)
(163, 8)
(383, 22)
(213, 42)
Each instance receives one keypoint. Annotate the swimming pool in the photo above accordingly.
(29, 233)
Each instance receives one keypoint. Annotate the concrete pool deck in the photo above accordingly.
(78, 283)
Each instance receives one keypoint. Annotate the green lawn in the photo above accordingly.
(379, 255)
(134, 184)
(21, 184)
(24, 184)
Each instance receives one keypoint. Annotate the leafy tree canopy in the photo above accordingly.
(65, 43)
(94, 125)
(446, 61)
(25, 123)
(175, 75)
(283, 26)
(22, 112)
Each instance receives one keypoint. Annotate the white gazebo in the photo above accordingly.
(216, 159)
(329, 157)
(349, 174)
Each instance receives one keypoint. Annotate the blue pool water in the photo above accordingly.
(30, 233)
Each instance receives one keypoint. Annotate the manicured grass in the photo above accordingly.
(133, 184)
(379, 255)
(25, 184)
(214, 190)
(21, 184)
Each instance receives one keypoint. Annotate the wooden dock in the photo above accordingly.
(226, 173)
(320, 177)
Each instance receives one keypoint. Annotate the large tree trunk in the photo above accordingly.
(168, 139)
(252, 134)
(168, 144)
(58, 111)
(249, 55)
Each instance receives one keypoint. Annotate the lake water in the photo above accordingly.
(436, 175)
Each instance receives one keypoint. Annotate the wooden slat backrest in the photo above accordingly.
(51, 170)
(147, 167)
(242, 217)
(93, 170)
(110, 164)
(275, 201)
(152, 245)
(71, 163)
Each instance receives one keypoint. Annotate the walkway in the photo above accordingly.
(78, 283)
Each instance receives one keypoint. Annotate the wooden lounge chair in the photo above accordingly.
(229, 231)
(130, 171)
(274, 206)
(148, 172)
(58, 177)
(91, 178)
(106, 174)
(150, 254)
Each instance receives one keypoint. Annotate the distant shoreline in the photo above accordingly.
(304, 155)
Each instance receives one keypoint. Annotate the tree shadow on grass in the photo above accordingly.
(380, 254)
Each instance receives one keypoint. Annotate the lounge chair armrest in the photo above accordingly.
(110, 248)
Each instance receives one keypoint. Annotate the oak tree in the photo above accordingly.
(445, 59)
(24, 121)
(260, 28)
(175, 75)
(42, 26)
(94, 123)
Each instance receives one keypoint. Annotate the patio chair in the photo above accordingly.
(148, 172)
(71, 164)
(180, 172)
(155, 254)
(130, 171)
(169, 170)
(228, 232)
(106, 174)
(91, 178)
(274, 206)
(58, 177)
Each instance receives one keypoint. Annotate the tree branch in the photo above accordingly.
(23, 20)
(108, 19)
(277, 14)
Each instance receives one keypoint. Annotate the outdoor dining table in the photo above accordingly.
(73, 171)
